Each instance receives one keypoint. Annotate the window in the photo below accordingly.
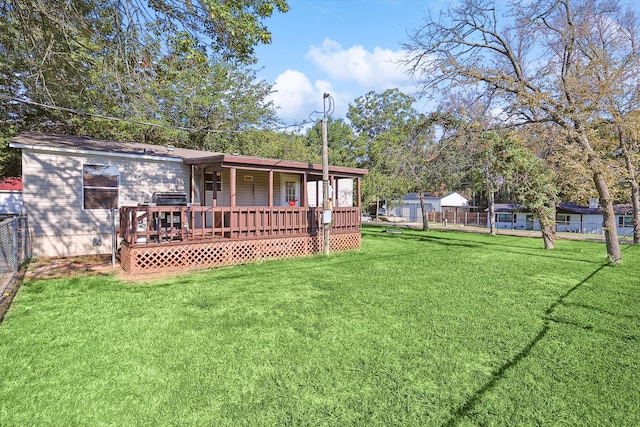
(505, 217)
(290, 191)
(100, 186)
(625, 221)
(208, 181)
(564, 218)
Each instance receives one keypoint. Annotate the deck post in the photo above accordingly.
(270, 191)
(232, 187)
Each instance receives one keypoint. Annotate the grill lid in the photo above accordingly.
(170, 198)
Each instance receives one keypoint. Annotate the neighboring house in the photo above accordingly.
(624, 219)
(575, 218)
(509, 216)
(11, 196)
(570, 217)
(71, 186)
(409, 207)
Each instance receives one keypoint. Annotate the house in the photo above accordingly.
(510, 216)
(167, 201)
(11, 196)
(409, 206)
(575, 218)
(570, 218)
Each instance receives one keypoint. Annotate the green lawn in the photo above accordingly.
(437, 328)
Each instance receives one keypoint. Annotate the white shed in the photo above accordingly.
(409, 207)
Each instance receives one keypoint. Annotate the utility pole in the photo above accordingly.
(326, 208)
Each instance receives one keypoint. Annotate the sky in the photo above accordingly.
(346, 48)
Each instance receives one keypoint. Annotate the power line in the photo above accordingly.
(327, 112)
(143, 123)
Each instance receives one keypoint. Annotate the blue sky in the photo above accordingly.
(344, 47)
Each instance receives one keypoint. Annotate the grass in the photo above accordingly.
(436, 328)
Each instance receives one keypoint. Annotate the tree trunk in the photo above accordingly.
(635, 195)
(547, 219)
(608, 215)
(492, 214)
(548, 236)
(608, 219)
(423, 208)
(635, 199)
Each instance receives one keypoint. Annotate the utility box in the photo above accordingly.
(326, 216)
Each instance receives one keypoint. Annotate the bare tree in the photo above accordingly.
(555, 61)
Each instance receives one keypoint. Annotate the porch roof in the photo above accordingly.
(250, 162)
(85, 145)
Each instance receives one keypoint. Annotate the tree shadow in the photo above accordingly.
(499, 374)
(456, 242)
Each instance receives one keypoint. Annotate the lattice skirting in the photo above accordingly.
(178, 256)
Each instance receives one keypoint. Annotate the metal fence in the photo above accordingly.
(15, 248)
(478, 219)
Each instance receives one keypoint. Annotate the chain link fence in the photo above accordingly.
(15, 249)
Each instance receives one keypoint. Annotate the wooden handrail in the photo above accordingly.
(158, 224)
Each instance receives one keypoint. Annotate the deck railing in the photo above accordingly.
(160, 224)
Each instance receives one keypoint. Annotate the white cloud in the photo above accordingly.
(297, 98)
(377, 70)
(344, 73)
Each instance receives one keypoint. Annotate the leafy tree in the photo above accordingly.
(276, 145)
(222, 101)
(489, 173)
(623, 138)
(138, 61)
(340, 139)
(629, 149)
(534, 184)
(431, 160)
(381, 123)
(554, 61)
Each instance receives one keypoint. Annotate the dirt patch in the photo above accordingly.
(47, 268)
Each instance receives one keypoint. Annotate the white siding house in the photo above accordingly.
(54, 193)
(409, 207)
(73, 186)
(570, 218)
(509, 217)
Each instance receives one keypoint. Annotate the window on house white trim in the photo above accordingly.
(625, 221)
(290, 191)
(100, 186)
(505, 217)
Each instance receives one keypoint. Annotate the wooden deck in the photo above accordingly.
(168, 238)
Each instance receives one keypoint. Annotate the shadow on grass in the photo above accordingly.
(453, 242)
(497, 376)
(232, 272)
(602, 310)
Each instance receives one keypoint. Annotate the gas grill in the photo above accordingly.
(169, 198)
